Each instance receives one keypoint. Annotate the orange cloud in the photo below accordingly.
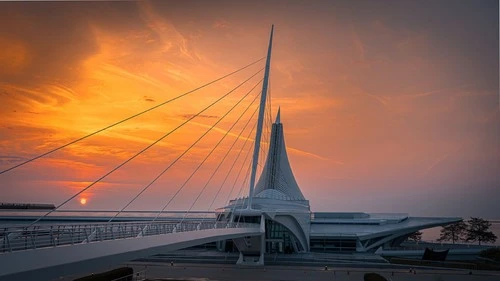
(367, 97)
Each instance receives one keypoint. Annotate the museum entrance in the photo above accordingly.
(278, 238)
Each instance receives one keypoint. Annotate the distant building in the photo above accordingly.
(24, 206)
(290, 226)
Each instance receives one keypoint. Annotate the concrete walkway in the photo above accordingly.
(226, 272)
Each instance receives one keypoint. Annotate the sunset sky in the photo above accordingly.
(387, 106)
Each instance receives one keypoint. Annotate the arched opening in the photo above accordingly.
(279, 239)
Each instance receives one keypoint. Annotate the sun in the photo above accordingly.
(83, 201)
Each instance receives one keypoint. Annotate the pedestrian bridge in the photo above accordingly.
(50, 251)
(42, 251)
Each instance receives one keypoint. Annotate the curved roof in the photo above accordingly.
(273, 194)
(375, 225)
(277, 174)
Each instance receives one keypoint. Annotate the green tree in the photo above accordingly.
(415, 236)
(453, 232)
(479, 230)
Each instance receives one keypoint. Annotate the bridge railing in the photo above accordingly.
(43, 236)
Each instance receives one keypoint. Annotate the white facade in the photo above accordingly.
(290, 226)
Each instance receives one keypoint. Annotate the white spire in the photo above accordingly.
(260, 121)
(278, 116)
(277, 180)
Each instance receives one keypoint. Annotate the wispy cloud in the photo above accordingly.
(221, 24)
(436, 162)
(119, 71)
(187, 116)
(433, 92)
(44, 95)
(7, 159)
(382, 100)
(168, 34)
(312, 155)
(359, 47)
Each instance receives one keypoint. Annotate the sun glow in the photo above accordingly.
(83, 201)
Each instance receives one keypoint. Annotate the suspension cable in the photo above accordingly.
(241, 168)
(245, 183)
(239, 172)
(227, 153)
(177, 192)
(184, 153)
(143, 150)
(220, 163)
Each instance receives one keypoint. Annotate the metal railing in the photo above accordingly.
(42, 236)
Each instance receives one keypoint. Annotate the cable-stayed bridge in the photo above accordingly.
(44, 250)
(270, 215)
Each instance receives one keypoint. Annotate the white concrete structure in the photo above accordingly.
(277, 203)
(290, 226)
(275, 217)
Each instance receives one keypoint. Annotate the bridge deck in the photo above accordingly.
(49, 251)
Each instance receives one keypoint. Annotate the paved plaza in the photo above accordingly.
(208, 272)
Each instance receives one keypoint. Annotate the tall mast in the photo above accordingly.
(262, 108)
